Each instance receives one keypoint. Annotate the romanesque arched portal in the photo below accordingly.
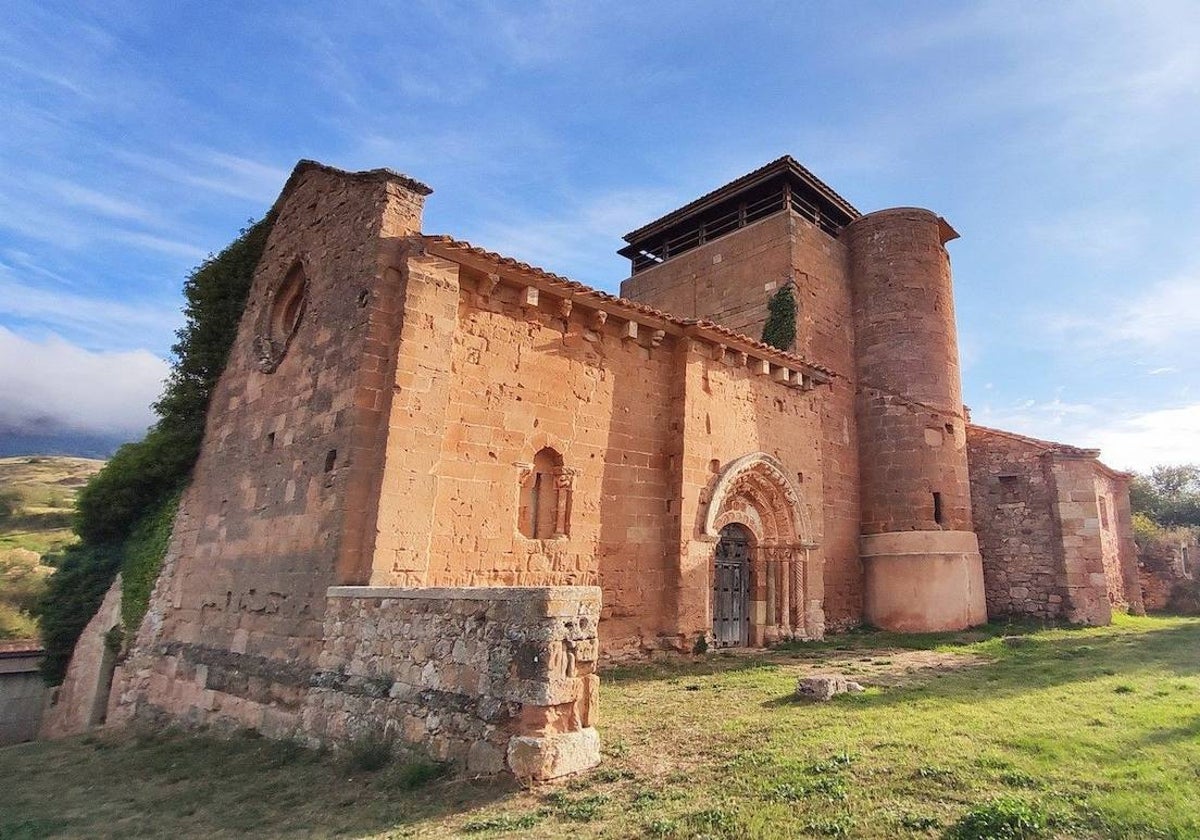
(754, 493)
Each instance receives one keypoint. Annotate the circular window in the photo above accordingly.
(284, 311)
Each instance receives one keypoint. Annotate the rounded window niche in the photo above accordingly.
(545, 508)
(283, 313)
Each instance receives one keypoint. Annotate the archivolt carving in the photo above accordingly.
(755, 491)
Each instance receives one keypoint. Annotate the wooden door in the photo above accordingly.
(731, 588)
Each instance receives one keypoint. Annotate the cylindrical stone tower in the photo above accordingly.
(921, 559)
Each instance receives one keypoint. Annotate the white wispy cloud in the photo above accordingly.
(1128, 439)
(1160, 317)
(213, 171)
(1142, 441)
(100, 321)
(580, 235)
(52, 384)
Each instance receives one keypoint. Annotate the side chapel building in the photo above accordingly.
(409, 410)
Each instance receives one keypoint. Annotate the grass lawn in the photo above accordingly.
(1079, 733)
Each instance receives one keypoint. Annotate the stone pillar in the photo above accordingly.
(417, 424)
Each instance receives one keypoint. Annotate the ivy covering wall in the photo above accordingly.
(780, 329)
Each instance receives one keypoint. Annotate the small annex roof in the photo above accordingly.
(786, 165)
(20, 648)
(1050, 446)
(486, 261)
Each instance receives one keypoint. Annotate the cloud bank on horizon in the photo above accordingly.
(1061, 140)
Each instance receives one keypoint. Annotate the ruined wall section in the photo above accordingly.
(1078, 517)
(1116, 540)
(82, 700)
(484, 679)
(1012, 501)
(274, 511)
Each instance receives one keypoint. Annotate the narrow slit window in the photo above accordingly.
(937, 508)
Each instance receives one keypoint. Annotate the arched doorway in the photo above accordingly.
(755, 511)
(731, 587)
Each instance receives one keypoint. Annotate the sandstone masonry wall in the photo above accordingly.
(82, 700)
(730, 281)
(912, 435)
(1165, 563)
(731, 410)
(1054, 527)
(279, 500)
(1012, 499)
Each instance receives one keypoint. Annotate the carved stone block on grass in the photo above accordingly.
(824, 687)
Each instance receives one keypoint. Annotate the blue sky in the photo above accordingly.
(1062, 140)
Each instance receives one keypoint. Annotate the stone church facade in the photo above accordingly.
(438, 484)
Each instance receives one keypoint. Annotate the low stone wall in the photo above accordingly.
(486, 679)
(1161, 567)
(22, 691)
(82, 700)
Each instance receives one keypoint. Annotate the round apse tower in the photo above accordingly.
(920, 556)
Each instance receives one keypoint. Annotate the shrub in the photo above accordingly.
(1185, 598)
(369, 752)
(125, 512)
(416, 774)
(501, 822)
(1002, 819)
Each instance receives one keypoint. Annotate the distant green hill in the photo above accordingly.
(37, 498)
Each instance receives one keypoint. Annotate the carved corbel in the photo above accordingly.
(488, 284)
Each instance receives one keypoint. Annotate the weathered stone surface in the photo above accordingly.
(82, 700)
(1054, 529)
(822, 687)
(551, 756)
(433, 416)
(458, 673)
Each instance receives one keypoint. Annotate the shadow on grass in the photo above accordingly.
(175, 785)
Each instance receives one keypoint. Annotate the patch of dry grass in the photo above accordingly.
(37, 499)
